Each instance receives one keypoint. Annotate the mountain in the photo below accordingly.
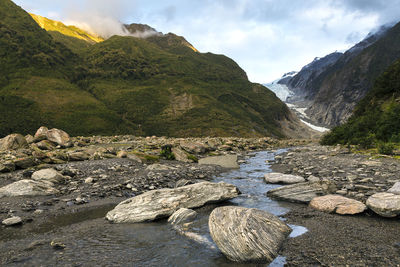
(159, 85)
(302, 83)
(332, 89)
(72, 31)
(376, 118)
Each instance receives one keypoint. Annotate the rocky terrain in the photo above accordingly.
(365, 240)
(152, 177)
(44, 178)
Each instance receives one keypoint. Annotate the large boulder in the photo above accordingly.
(49, 175)
(247, 235)
(28, 188)
(56, 136)
(12, 142)
(41, 133)
(303, 192)
(385, 204)
(338, 204)
(228, 161)
(162, 203)
(280, 178)
(59, 137)
(193, 147)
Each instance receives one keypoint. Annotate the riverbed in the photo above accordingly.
(90, 240)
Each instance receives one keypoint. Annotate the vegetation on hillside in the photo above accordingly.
(154, 86)
(376, 119)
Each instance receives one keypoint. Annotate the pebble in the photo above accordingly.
(12, 221)
(89, 180)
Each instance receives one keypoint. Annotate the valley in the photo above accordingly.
(121, 145)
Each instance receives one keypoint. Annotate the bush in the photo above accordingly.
(386, 148)
(166, 152)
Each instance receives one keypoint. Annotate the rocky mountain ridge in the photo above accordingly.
(330, 87)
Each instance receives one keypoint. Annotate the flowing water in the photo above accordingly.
(95, 242)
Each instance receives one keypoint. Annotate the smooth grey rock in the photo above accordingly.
(12, 221)
(28, 188)
(12, 142)
(280, 178)
(247, 235)
(228, 161)
(49, 175)
(385, 204)
(182, 216)
(303, 192)
(338, 204)
(159, 167)
(162, 203)
(395, 189)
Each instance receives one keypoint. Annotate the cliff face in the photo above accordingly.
(333, 85)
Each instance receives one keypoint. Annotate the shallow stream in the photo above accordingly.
(95, 242)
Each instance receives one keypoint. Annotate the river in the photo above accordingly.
(92, 241)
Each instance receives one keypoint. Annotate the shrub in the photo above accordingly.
(386, 148)
(166, 152)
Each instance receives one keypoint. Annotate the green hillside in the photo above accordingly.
(160, 85)
(376, 118)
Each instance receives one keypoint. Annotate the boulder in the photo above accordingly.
(228, 161)
(12, 221)
(182, 216)
(247, 235)
(41, 134)
(49, 175)
(59, 137)
(193, 147)
(395, 189)
(180, 155)
(338, 204)
(280, 178)
(12, 142)
(162, 203)
(303, 192)
(29, 138)
(385, 204)
(28, 188)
